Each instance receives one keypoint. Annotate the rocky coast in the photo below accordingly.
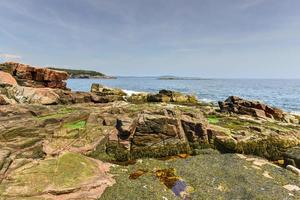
(57, 144)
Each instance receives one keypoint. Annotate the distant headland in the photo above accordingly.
(84, 74)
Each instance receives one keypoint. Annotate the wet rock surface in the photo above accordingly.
(209, 175)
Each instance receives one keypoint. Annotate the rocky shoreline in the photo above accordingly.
(104, 144)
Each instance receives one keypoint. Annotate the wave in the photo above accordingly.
(207, 100)
(295, 113)
(131, 92)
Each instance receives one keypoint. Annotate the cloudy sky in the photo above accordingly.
(204, 38)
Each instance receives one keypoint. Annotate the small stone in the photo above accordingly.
(291, 187)
(267, 175)
(293, 169)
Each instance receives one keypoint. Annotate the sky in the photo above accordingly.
(194, 38)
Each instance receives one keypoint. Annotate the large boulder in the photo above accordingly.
(29, 76)
(171, 96)
(44, 96)
(6, 78)
(157, 134)
(292, 157)
(101, 94)
(69, 176)
(238, 105)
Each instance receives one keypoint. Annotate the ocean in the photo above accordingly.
(280, 93)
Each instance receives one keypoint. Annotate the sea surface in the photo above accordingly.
(276, 92)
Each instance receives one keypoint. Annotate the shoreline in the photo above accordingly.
(82, 139)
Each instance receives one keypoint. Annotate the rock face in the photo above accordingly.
(29, 76)
(254, 108)
(157, 134)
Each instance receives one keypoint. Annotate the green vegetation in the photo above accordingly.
(75, 72)
(212, 119)
(75, 125)
(59, 114)
(71, 169)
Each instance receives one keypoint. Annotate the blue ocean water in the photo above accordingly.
(280, 93)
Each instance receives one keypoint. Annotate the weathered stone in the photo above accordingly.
(195, 129)
(162, 133)
(254, 108)
(171, 96)
(101, 90)
(4, 100)
(6, 78)
(126, 127)
(29, 76)
(4, 154)
(101, 94)
(293, 169)
(44, 96)
(70, 176)
(292, 157)
(138, 98)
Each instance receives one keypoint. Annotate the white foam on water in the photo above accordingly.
(295, 113)
(207, 100)
(131, 92)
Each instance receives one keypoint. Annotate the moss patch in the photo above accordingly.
(212, 175)
(75, 125)
(68, 171)
(59, 114)
(212, 119)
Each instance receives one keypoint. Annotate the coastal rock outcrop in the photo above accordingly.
(157, 134)
(28, 95)
(255, 108)
(166, 96)
(53, 152)
(101, 94)
(29, 76)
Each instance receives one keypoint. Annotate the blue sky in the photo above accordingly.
(203, 38)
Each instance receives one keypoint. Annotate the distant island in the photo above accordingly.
(178, 78)
(84, 74)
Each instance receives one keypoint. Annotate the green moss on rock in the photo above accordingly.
(67, 171)
(75, 125)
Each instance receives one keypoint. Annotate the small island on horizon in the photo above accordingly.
(179, 78)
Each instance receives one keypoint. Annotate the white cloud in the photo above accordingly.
(9, 57)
